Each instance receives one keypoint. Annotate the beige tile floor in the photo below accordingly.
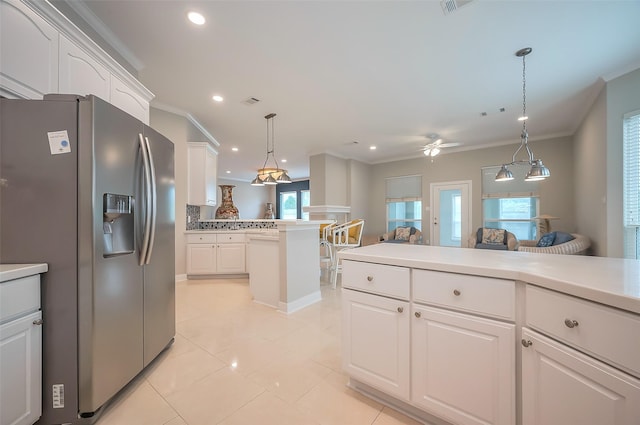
(235, 362)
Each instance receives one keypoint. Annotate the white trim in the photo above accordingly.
(300, 303)
(181, 277)
(466, 207)
(191, 118)
(98, 26)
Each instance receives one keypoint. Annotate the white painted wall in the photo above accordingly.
(250, 200)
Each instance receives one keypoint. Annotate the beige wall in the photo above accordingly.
(250, 200)
(590, 182)
(328, 180)
(180, 131)
(598, 158)
(556, 194)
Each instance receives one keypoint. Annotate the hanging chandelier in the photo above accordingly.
(538, 171)
(269, 175)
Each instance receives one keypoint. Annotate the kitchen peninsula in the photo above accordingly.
(280, 256)
(465, 336)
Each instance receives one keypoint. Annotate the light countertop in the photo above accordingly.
(17, 271)
(610, 281)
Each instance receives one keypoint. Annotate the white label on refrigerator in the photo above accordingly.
(59, 142)
(58, 396)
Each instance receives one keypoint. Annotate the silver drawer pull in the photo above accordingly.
(456, 292)
(570, 323)
(417, 314)
(400, 309)
(526, 343)
(37, 322)
(369, 278)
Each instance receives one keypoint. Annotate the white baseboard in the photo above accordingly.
(300, 303)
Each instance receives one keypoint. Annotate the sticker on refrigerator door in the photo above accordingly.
(59, 142)
(58, 396)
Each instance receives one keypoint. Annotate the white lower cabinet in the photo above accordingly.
(561, 386)
(376, 341)
(216, 253)
(463, 367)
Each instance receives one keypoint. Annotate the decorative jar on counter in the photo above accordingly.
(227, 210)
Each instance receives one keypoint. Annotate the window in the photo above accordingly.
(404, 202)
(631, 184)
(456, 214)
(511, 205)
(290, 198)
(306, 201)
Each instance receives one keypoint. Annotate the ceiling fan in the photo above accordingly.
(434, 147)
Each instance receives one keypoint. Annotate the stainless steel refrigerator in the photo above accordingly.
(89, 190)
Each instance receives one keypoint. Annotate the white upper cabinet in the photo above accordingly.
(28, 52)
(42, 52)
(202, 164)
(123, 97)
(80, 73)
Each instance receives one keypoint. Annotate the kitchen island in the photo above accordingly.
(466, 336)
(286, 277)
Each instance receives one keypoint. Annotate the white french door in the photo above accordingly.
(450, 218)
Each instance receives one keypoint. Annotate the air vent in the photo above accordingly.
(250, 101)
(450, 6)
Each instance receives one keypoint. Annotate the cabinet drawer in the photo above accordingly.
(380, 279)
(475, 294)
(19, 297)
(230, 237)
(604, 332)
(202, 238)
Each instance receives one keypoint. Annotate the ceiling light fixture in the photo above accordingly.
(196, 18)
(269, 175)
(218, 98)
(538, 171)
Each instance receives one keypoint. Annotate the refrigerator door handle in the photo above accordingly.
(152, 235)
(147, 202)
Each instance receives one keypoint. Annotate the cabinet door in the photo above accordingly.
(562, 386)
(376, 341)
(201, 259)
(21, 370)
(123, 97)
(80, 73)
(463, 367)
(230, 258)
(28, 52)
(211, 171)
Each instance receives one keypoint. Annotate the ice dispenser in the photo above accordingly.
(117, 224)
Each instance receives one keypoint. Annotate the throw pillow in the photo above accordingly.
(562, 237)
(403, 233)
(493, 236)
(546, 240)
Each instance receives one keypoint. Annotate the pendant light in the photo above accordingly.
(269, 175)
(538, 171)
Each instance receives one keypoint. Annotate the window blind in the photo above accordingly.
(402, 189)
(516, 188)
(631, 184)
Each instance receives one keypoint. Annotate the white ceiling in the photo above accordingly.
(383, 73)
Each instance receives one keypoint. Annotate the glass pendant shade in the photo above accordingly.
(504, 174)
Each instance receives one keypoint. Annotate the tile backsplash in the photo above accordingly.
(194, 222)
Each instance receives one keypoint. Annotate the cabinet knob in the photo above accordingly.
(369, 278)
(570, 323)
(456, 292)
(37, 322)
(400, 309)
(417, 314)
(526, 343)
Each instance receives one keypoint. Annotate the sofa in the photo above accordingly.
(558, 243)
(496, 239)
(402, 235)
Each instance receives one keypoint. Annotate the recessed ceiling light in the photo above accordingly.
(523, 118)
(373, 148)
(234, 149)
(228, 172)
(283, 160)
(218, 98)
(196, 18)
